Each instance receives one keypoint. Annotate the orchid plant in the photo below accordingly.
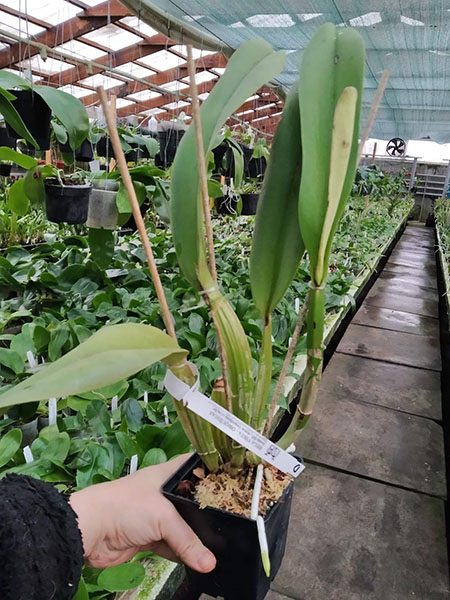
(306, 185)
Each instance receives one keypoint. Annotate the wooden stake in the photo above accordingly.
(110, 117)
(373, 111)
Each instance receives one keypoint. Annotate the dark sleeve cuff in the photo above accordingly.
(41, 552)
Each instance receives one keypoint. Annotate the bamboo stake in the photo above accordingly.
(207, 213)
(110, 117)
(285, 367)
(373, 111)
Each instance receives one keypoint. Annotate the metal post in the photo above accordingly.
(447, 180)
(413, 175)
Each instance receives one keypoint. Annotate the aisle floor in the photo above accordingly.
(368, 518)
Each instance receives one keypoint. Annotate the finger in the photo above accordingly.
(157, 475)
(161, 549)
(184, 543)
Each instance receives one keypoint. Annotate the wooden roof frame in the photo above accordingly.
(91, 19)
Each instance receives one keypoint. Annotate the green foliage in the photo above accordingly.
(252, 65)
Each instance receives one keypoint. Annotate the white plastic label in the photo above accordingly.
(52, 411)
(232, 426)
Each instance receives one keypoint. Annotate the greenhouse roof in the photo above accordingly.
(78, 44)
(410, 38)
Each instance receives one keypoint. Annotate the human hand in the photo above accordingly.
(129, 515)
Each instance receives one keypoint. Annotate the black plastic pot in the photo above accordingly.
(168, 144)
(226, 206)
(239, 574)
(84, 153)
(256, 167)
(36, 115)
(104, 148)
(6, 139)
(219, 152)
(67, 204)
(249, 204)
(5, 170)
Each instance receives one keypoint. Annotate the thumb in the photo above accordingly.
(184, 543)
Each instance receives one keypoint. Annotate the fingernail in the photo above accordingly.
(206, 561)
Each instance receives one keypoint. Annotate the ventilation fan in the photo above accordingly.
(396, 147)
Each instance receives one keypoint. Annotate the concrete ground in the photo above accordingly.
(368, 519)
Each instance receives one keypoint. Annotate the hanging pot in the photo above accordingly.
(36, 115)
(249, 204)
(257, 167)
(102, 213)
(104, 148)
(5, 170)
(83, 153)
(168, 144)
(233, 539)
(6, 139)
(226, 205)
(68, 203)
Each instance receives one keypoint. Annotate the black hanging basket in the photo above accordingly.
(36, 115)
(67, 204)
(233, 539)
(168, 144)
(83, 153)
(6, 139)
(5, 170)
(104, 148)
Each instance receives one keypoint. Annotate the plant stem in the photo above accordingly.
(207, 215)
(286, 365)
(264, 377)
(314, 365)
(201, 163)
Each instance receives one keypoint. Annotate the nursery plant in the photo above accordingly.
(69, 110)
(301, 203)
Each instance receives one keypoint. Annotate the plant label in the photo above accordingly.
(231, 425)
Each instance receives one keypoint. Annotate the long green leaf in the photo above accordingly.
(17, 199)
(10, 80)
(101, 245)
(23, 160)
(277, 246)
(111, 354)
(331, 62)
(9, 444)
(13, 118)
(69, 110)
(252, 65)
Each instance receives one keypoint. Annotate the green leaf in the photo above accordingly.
(238, 158)
(82, 592)
(122, 577)
(160, 198)
(252, 65)
(33, 185)
(127, 445)
(58, 447)
(9, 444)
(58, 337)
(332, 61)
(214, 189)
(175, 441)
(10, 80)
(13, 118)
(101, 244)
(69, 110)
(122, 200)
(155, 456)
(23, 160)
(277, 245)
(110, 355)
(59, 131)
(13, 361)
(18, 201)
